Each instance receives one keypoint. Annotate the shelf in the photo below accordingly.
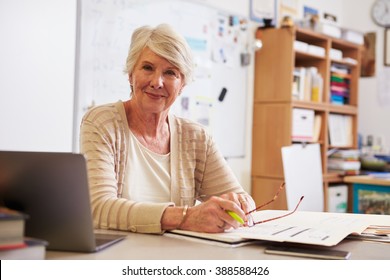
(274, 102)
(317, 106)
(307, 56)
(342, 109)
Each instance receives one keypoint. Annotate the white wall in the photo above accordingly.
(37, 58)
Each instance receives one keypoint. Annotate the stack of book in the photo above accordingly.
(339, 84)
(13, 244)
(345, 162)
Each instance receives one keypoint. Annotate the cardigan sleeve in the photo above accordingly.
(103, 143)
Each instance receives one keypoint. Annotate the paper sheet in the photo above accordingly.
(326, 229)
(303, 175)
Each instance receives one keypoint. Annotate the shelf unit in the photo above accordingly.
(274, 103)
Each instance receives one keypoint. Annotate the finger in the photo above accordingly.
(231, 219)
(247, 203)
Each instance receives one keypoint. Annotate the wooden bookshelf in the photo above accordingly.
(274, 103)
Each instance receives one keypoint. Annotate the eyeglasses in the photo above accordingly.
(251, 221)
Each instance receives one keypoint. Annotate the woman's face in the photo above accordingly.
(156, 82)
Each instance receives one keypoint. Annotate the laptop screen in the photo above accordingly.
(52, 189)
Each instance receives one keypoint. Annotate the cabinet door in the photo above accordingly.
(264, 190)
(271, 131)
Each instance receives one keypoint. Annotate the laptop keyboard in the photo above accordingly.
(103, 238)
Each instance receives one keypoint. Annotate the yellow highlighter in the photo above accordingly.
(235, 216)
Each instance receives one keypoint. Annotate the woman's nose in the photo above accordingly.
(157, 81)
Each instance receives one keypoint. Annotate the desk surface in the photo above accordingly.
(138, 246)
(367, 180)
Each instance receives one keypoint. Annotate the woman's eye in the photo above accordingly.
(171, 73)
(147, 67)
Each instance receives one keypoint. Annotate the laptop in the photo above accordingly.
(52, 189)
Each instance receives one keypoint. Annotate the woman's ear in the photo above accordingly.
(130, 79)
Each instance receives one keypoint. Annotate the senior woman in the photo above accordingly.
(146, 167)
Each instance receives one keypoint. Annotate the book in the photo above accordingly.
(226, 239)
(351, 154)
(336, 163)
(317, 127)
(32, 249)
(11, 228)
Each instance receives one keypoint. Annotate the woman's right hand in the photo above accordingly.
(211, 216)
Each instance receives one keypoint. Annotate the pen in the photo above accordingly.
(235, 216)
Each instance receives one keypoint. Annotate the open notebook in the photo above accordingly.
(302, 227)
(52, 189)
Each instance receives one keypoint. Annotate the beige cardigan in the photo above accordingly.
(197, 169)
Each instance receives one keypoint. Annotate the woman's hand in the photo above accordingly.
(211, 216)
(244, 201)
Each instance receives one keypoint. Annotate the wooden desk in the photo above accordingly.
(138, 246)
(375, 203)
(368, 180)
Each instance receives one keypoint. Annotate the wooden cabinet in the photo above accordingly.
(274, 102)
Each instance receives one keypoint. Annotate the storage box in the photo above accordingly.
(338, 198)
(336, 54)
(303, 124)
(371, 199)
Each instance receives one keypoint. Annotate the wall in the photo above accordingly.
(37, 54)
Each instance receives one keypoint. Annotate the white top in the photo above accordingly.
(149, 178)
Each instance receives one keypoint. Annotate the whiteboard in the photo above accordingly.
(217, 96)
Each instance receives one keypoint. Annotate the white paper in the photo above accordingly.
(303, 176)
(316, 228)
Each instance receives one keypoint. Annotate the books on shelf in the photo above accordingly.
(350, 154)
(345, 162)
(11, 228)
(307, 84)
(339, 84)
(342, 164)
